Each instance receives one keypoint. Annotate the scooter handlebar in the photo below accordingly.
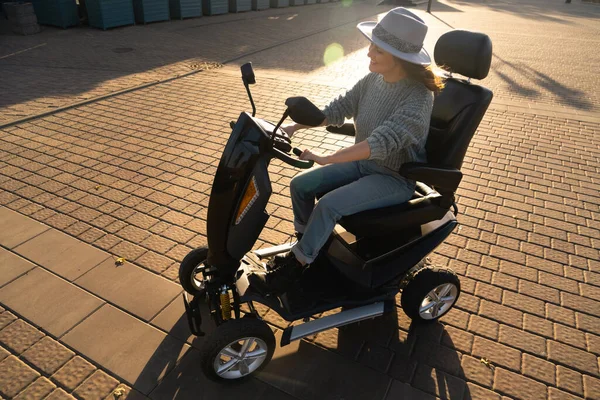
(292, 161)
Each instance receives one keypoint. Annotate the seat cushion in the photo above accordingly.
(422, 208)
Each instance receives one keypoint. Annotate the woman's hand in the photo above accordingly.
(316, 157)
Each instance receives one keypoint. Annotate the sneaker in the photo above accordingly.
(283, 273)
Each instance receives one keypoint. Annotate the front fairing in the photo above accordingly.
(245, 159)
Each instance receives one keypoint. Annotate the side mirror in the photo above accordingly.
(302, 111)
(248, 74)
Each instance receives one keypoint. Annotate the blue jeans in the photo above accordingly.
(346, 189)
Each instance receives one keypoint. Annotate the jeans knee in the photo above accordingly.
(326, 206)
(299, 186)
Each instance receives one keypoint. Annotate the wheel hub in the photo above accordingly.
(240, 358)
(438, 301)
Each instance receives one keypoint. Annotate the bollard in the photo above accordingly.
(429, 6)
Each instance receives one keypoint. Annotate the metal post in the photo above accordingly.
(429, 6)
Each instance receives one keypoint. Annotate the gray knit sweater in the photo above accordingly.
(392, 117)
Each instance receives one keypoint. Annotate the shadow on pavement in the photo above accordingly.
(59, 67)
(375, 359)
(536, 78)
(539, 10)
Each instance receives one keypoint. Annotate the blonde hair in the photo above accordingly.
(423, 74)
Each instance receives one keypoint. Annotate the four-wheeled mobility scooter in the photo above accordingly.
(370, 256)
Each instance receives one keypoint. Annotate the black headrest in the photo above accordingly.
(463, 52)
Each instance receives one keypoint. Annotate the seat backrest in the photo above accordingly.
(460, 107)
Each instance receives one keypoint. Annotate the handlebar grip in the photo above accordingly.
(297, 151)
(292, 161)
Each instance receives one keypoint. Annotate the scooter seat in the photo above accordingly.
(425, 206)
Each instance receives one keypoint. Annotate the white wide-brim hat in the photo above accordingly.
(400, 33)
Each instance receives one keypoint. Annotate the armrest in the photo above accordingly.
(444, 178)
(346, 129)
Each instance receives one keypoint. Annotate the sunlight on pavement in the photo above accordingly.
(333, 52)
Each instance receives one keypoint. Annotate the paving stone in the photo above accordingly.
(517, 386)
(539, 369)
(593, 343)
(340, 341)
(48, 355)
(457, 339)
(569, 380)
(6, 318)
(59, 394)
(501, 313)
(61, 254)
(15, 376)
(173, 320)
(475, 392)
(39, 389)
(329, 371)
(399, 390)
(437, 356)
(137, 353)
(572, 357)
(128, 286)
(497, 354)
(522, 340)
(73, 373)
(456, 318)
(555, 394)
(472, 369)
(19, 336)
(56, 309)
(12, 266)
(98, 386)
(569, 336)
(588, 323)
(3, 353)
(524, 303)
(16, 228)
(560, 314)
(375, 356)
(538, 325)
(484, 327)
(186, 382)
(439, 383)
(591, 387)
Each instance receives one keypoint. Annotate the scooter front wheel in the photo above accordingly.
(191, 272)
(237, 349)
(430, 294)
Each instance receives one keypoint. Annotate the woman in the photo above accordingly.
(391, 108)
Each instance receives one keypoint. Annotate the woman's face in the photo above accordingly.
(382, 62)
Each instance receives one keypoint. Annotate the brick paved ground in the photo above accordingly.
(130, 175)
(57, 67)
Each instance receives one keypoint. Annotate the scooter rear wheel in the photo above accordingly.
(430, 294)
(190, 271)
(237, 349)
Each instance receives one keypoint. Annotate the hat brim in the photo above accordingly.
(421, 58)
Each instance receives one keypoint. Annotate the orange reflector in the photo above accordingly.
(249, 198)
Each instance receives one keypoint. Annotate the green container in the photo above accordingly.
(279, 3)
(105, 14)
(151, 10)
(61, 13)
(236, 6)
(261, 4)
(215, 7)
(181, 9)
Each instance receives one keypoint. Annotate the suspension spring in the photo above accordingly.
(225, 305)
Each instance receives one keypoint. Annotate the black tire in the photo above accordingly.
(417, 289)
(229, 332)
(188, 274)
